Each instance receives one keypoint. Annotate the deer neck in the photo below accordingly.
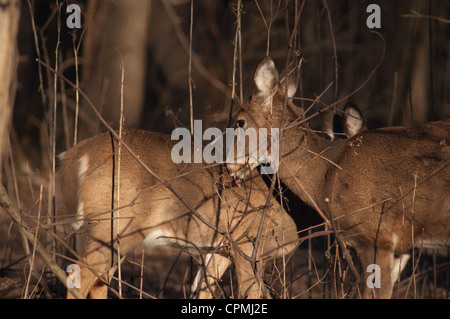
(305, 163)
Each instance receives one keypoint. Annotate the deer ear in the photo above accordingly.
(327, 121)
(266, 78)
(352, 120)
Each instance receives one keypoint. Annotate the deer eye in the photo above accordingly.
(240, 123)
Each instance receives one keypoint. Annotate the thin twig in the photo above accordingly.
(141, 283)
(38, 53)
(333, 40)
(33, 255)
(412, 233)
(51, 195)
(416, 15)
(191, 106)
(412, 279)
(119, 156)
(236, 37)
(77, 94)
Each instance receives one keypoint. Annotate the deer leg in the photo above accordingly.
(94, 273)
(90, 283)
(249, 278)
(248, 286)
(215, 266)
(99, 289)
(378, 268)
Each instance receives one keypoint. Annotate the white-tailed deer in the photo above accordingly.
(201, 212)
(386, 191)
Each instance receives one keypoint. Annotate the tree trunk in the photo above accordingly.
(115, 30)
(9, 25)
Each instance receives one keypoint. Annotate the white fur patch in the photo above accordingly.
(82, 169)
(158, 237)
(61, 156)
(394, 241)
(80, 217)
(398, 266)
(84, 164)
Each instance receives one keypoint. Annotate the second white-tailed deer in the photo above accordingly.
(386, 191)
(191, 206)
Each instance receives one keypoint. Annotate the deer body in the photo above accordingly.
(146, 211)
(387, 190)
